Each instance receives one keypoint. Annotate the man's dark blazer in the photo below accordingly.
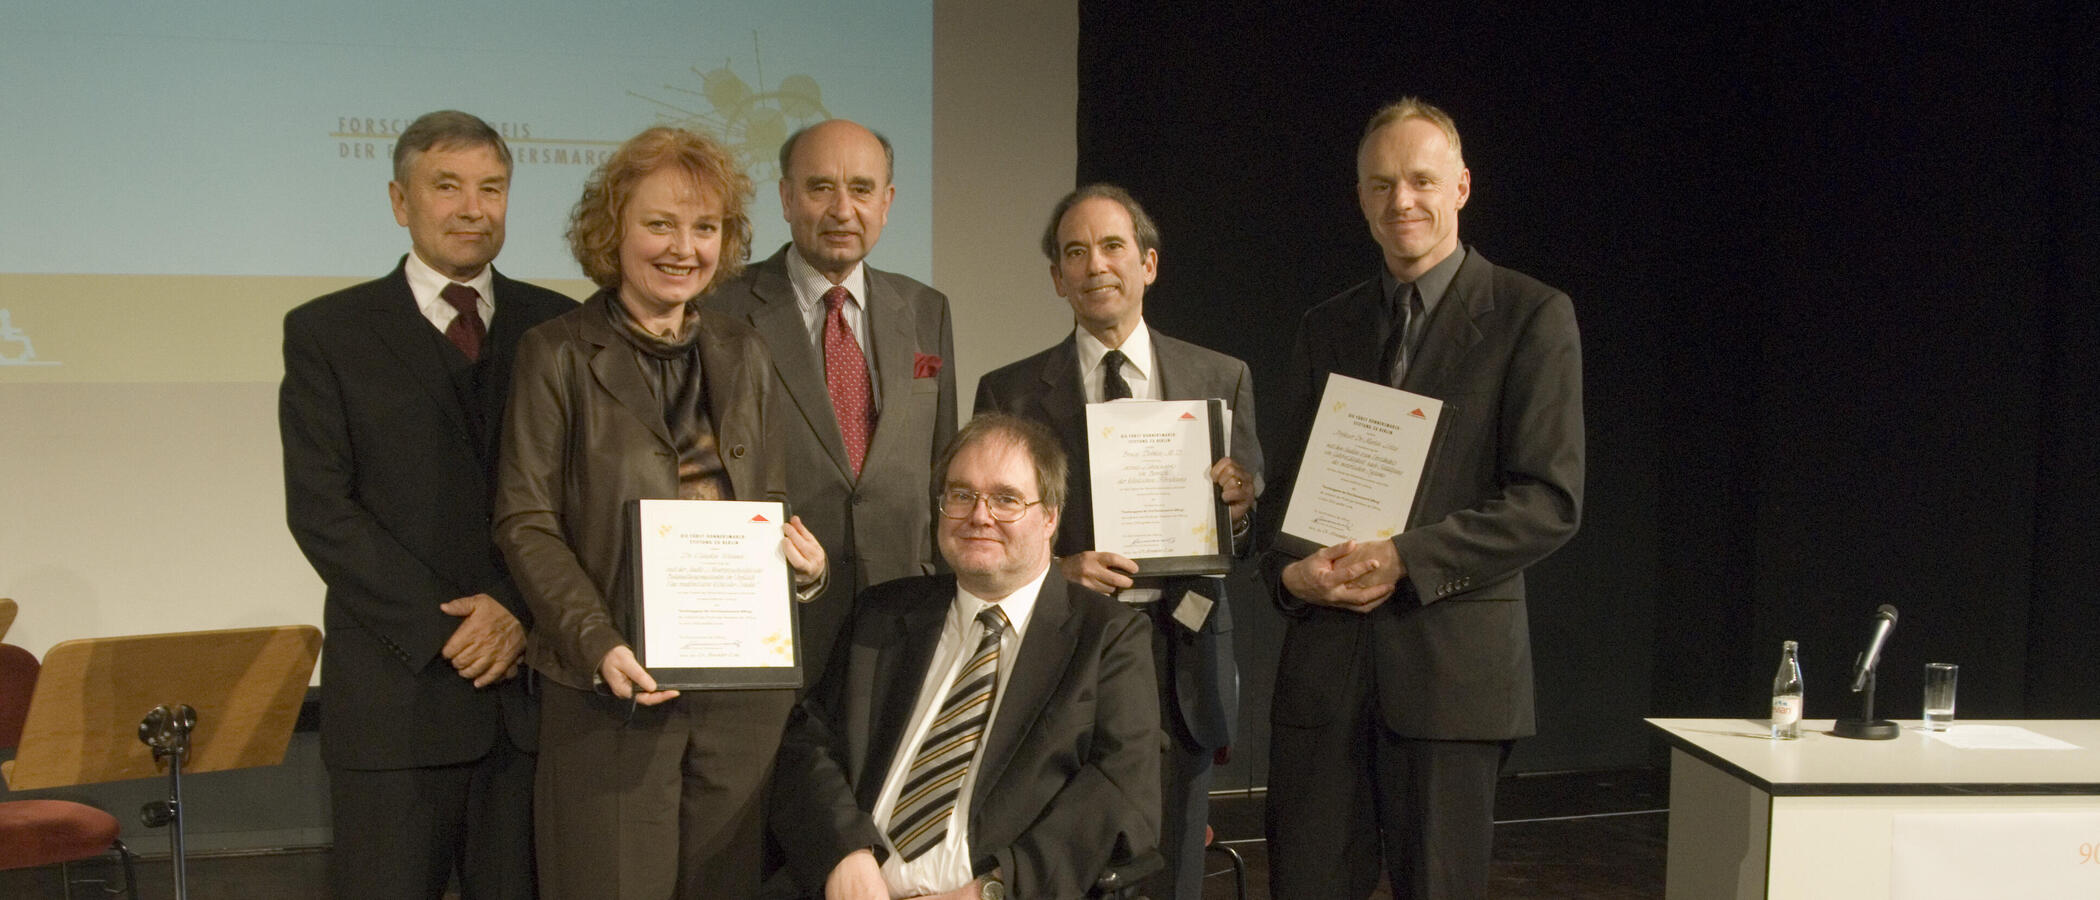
(1503, 488)
(1046, 388)
(877, 526)
(389, 464)
(1069, 774)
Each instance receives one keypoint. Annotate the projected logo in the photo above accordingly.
(15, 347)
(753, 121)
(372, 138)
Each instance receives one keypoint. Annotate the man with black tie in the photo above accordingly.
(863, 357)
(1104, 251)
(389, 413)
(1406, 669)
(979, 735)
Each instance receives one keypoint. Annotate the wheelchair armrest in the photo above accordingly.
(1123, 877)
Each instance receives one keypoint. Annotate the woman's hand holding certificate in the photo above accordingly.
(714, 589)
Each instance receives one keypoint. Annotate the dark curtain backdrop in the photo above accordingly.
(1835, 271)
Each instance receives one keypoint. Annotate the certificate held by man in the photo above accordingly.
(713, 595)
(1363, 465)
(1153, 497)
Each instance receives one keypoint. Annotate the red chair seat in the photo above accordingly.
(44, 832)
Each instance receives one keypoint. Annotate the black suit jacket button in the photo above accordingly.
(736, 451)
(856, 499)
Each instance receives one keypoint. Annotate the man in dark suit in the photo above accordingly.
(1406, 670)
(986, 732)
(863, 358)
(389, 415)
(1104, 251)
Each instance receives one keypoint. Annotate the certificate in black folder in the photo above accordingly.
(714, 599)
(1153, 498)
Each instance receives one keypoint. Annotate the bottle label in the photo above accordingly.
(1786, 710)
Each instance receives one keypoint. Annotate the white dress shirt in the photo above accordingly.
(1138, 368)
(427, 283)
(1141, 372)
(946, 866)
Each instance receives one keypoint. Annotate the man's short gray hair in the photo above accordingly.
(444, 128)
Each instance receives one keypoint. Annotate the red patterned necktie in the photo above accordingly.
(466, 330)
(846, 377)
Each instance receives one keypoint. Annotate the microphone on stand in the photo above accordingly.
(1866, 727)
(1863, 668)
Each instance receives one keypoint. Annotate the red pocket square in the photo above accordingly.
(925, 365)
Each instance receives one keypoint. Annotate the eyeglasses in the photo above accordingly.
(959, 503)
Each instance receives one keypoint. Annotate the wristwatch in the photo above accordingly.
(991, 888)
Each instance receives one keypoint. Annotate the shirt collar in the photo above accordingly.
(1433, 284)
(426, 283)
(1018, 605)
(810, 284)
(1137, 350)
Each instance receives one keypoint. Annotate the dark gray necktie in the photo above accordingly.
(1113, 387)
(1405, 337)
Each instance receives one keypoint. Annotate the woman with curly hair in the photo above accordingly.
(640, 394)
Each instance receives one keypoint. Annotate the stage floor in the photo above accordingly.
(1594, 834)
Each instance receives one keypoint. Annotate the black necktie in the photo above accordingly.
(1409, 303)
(1113, 387)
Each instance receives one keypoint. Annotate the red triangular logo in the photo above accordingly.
(1418, 414)
(1188, 415)
(761, 517)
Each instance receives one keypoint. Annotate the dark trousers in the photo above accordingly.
(1184, 775)
(403, 832)
(667, 803)
(1347, 793)
(1185, 778)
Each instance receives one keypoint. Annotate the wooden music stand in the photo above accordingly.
(206, 700)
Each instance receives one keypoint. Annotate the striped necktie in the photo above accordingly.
(935, 780)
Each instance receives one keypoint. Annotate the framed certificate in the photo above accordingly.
(1153, 498)
(714, 599)
(1362, 467)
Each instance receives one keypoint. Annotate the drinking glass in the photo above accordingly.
(1939, 695)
